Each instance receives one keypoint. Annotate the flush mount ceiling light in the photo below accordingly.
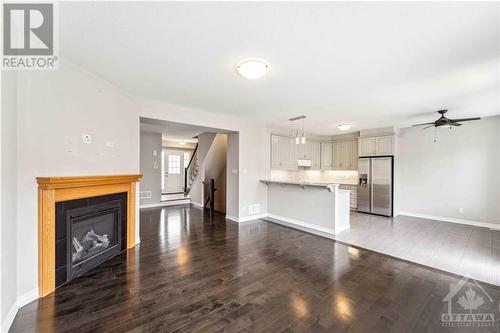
(252, 68)
(343, 127)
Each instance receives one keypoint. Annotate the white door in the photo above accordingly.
(174, 171)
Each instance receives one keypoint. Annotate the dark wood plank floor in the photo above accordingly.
(193, 275)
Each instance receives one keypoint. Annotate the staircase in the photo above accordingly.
(191, 171)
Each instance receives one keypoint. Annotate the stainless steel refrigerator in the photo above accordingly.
(375, 185)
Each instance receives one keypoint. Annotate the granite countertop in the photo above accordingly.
(299, 183)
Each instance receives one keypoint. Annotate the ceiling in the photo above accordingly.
(175, 131)
(371, 64)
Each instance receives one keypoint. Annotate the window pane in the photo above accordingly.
(174, 164)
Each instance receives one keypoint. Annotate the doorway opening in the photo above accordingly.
(187, 164)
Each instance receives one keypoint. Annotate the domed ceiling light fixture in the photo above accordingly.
(252, 68)
(344, 127)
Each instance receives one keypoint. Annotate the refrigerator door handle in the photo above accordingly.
(371, 185)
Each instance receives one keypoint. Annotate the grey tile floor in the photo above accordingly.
(469, 251)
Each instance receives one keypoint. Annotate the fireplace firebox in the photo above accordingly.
(88, 232)
(93, 236)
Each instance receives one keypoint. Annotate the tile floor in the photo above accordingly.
(465, 250)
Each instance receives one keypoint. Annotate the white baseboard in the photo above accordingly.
(246, 218)
(453, 220)
(167, 203)
(197, 204)
(19, 303)
(301, 225)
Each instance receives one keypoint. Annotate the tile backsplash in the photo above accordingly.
(334, 176)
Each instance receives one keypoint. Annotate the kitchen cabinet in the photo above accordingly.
(326, 155)
(281, 152)
(376, 145)
(315, 154)
(345, 155)
(311, 150)
(285, 153)
(353, 189)
(366, 146)
(384, 145)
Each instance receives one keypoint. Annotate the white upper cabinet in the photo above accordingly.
(281, 152)
(315, 154)
(384, 145)
(285, 153)
(337, 155)
(376, 145)
(326, 155)
(345, 155)
(366, 146)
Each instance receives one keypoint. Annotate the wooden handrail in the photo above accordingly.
(186, 169)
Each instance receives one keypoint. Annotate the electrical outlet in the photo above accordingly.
(460, 210)
(86, 138)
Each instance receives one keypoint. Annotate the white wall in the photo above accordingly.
(460, 170)
(150, 166)
(56, 107)
(204, 143)
(8, 207)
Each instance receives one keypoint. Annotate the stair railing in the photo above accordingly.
(189, 170)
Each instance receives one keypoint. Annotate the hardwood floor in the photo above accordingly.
(193, 275)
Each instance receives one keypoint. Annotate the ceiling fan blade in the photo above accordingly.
(454, 124)
(423, 124)
(428, 126)
(463, 119)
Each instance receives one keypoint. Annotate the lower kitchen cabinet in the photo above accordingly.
(354, 194)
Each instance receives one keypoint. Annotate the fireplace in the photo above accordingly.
(58, 196)
(93, 236)
(89, 231)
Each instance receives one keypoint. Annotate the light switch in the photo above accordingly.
(155, 153)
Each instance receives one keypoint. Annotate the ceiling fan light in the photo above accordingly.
(344, 127)
(252, 68)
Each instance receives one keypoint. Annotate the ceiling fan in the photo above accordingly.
(443, 121)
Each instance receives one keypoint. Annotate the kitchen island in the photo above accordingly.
(318, 208)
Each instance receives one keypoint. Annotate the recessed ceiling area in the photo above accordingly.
(176, 131)
(368, 64)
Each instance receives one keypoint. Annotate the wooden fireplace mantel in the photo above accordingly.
(57, 189)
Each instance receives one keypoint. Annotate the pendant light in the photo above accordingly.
(300, 136)
(303, 138)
